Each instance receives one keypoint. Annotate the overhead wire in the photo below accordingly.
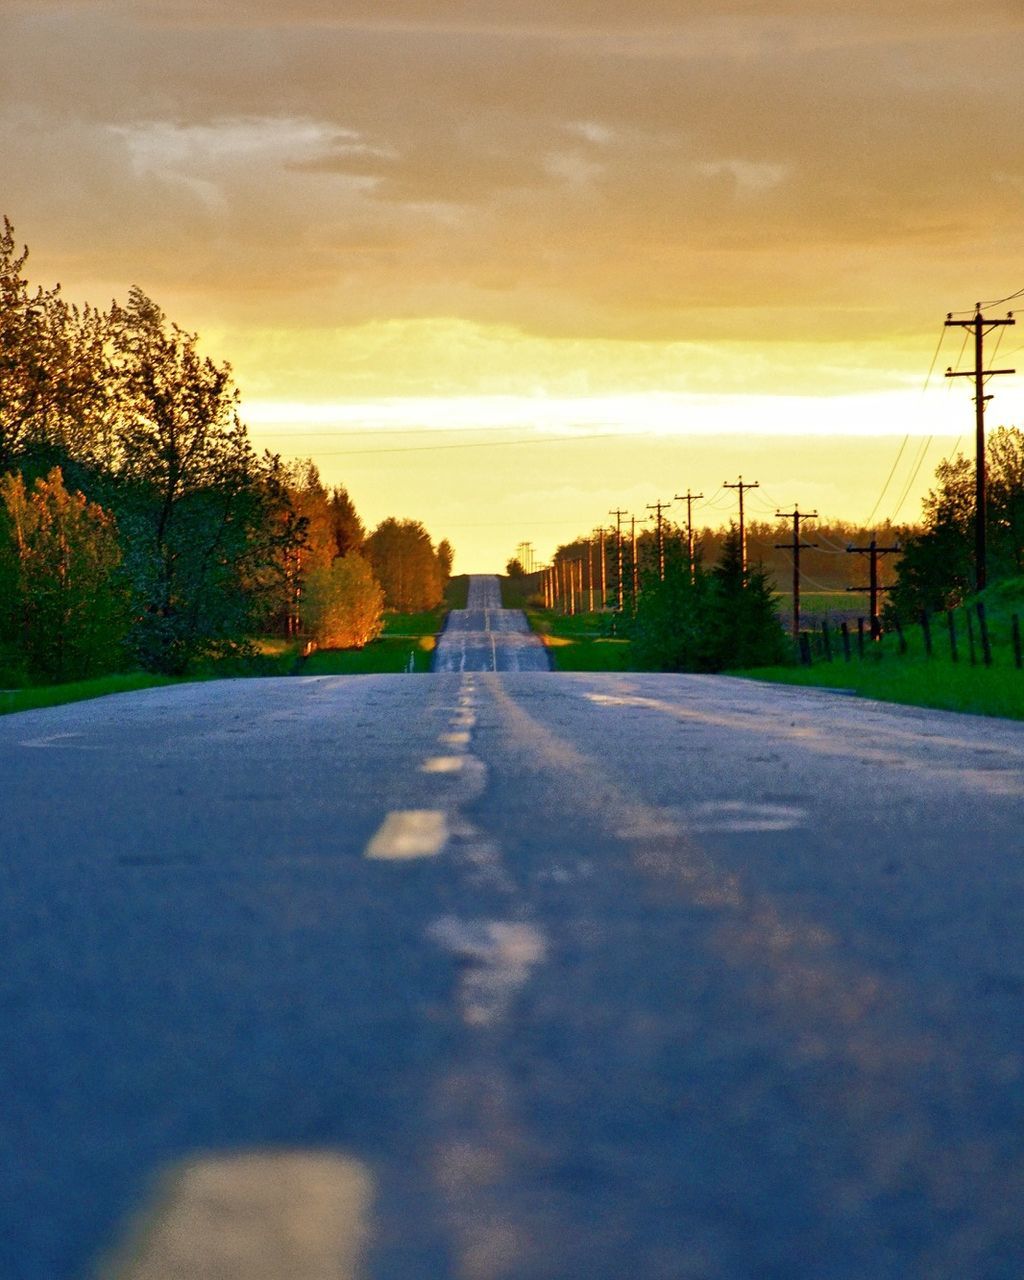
(472, 444)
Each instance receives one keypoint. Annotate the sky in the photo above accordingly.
(505, 265)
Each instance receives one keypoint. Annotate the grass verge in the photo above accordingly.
(914, 678)
(581, 642)
(53, 695)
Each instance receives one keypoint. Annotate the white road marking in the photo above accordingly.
(738, 815)
(458, 739)
(463, 720)
(409, 833)
(500, 955)
(254, 1216)
(58, 740)
(442, 764)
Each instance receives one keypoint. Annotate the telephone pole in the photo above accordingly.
(658, 508)
(604, 572)
(633, 563)
(796, 546)
(618, 514)
(979, 373)
(743, 528)
(874, 552)
(689, 498)
(590, 574)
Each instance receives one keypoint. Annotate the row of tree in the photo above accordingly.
(138, 525)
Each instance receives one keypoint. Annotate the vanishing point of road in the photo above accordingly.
(496, 974)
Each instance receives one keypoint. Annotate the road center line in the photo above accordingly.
(254, 1216)
(460, 738)
(409, 833)
(442, 764)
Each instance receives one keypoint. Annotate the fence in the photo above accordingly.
(868, 641)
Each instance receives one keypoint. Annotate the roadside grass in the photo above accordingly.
(53, 695)
(915, 679)
(581, 642)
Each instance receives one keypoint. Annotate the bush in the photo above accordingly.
(343, 604)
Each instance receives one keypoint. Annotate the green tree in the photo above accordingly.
(406, 565)
(349, 533)
(198, 509)
(343, 604)
(67, 609)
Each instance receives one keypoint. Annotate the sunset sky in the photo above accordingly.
(723, 235)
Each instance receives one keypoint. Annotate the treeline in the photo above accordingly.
(138, 525)
(695, 609)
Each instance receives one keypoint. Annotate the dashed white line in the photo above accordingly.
(442, 764)
(460, 738)
(409, 833)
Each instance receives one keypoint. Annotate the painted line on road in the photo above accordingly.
(253, 1216)
(460, 738)
(442, 764)
(409, 833)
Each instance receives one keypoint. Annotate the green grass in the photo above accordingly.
(580, 642)
(53, 695)
(914, 679)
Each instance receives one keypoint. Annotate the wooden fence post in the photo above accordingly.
(805, 649)
(986, 646)
(845, 630)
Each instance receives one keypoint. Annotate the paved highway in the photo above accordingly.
(523, 976)
(486, 637)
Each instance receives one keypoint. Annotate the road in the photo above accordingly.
(486, 637)
(530, 976)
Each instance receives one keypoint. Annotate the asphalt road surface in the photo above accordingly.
(527, 976)
(486, 637)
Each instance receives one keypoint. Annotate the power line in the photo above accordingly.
(997, 302)
(473, 444)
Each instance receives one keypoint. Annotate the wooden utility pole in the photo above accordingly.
(979, 373)
(874, 588)
(571, 568)
(604, 573)
(633, 564)
(743, 528)
(689, 498)
(590, 574)
(658, 508)
(796, 546)
(618, 514)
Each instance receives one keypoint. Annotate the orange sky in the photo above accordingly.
(726, 240)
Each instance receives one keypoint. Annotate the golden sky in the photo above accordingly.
(725, 235)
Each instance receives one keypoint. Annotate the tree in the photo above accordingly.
(343, 604)
(937, 570)
(196, 505)
(67, 608)
(445, 560)
(514, 569)
(349, 533)
(406, 565)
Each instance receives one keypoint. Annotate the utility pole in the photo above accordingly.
(743, 528)
(979, 373)
(874, 552)
(633, 564)
(689, 498)
(618, 514)
(659, 507)
(590, 574)
(796, 546)
(604, 573)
